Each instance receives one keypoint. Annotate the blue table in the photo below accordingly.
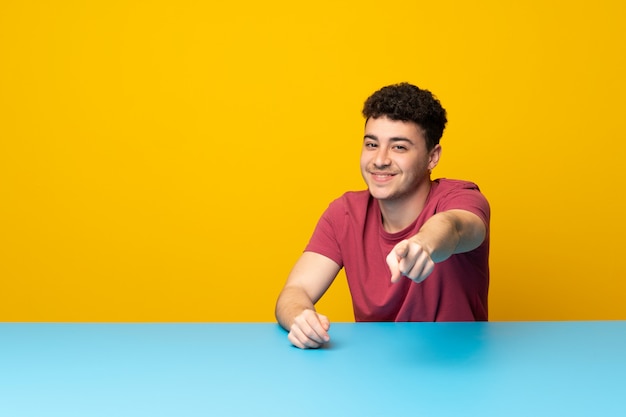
(378, 369)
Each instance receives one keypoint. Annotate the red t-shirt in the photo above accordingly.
(350, 232)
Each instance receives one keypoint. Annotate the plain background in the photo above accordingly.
(168, 161)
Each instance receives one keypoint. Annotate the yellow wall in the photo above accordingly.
(168, 160)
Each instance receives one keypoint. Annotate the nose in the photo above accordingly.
(381, 159)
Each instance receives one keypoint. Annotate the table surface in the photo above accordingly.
(368, 369)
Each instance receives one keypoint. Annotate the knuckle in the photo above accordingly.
(310, 333)
(311, 344)
(294, 340)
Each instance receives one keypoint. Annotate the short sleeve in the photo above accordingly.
(466, 196)
(325, 238)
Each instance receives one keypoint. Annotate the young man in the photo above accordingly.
(404, 229)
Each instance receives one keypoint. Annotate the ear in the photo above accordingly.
(435, 154)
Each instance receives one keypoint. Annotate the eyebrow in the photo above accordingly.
(393, 139)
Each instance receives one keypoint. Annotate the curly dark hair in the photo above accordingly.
(407, 102)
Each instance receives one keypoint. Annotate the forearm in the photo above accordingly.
(291, 302)
(309, 279)
(450, 232)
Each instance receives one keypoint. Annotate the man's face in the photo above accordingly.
(395, 163)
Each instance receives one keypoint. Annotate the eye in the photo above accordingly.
(400, 148)
(370, 145)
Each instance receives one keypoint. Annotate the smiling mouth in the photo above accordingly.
(382, 175)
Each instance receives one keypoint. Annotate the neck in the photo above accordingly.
(399, 213)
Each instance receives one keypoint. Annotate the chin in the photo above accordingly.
(381, 196)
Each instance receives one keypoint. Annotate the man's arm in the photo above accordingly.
(295, 308)
(443, 235)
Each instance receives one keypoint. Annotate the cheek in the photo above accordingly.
(363, 161)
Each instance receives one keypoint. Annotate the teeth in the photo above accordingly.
(382, 176)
